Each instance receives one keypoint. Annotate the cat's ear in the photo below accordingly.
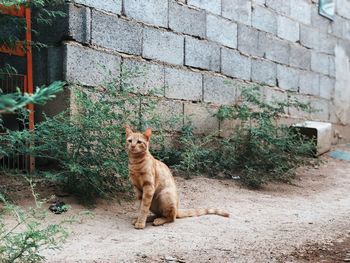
(148, 133)
(128, 130)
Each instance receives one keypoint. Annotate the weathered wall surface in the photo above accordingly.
(192, 46)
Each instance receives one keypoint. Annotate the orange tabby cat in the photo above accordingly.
(154, 184)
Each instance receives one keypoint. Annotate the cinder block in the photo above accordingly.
(153, 12)
(258, 2)
(273, 95)
(346, 30)
(327, 86)
(75, 25)
(113, 6)
(333, 118)
(331, 70)
(79, 23)
(218, 90)
(213, 6)
(275, 49)
(327, 43)
(264, 19)
(264, 72)
(288, 78)
(144, 77)
(238, 10)
(60, 103)
(300, 57)
(107, 31)
(320, 63)
(322, 107)
(163, 46)
(201, 117)
(309, 37)
(170, 113)
(297, 113)
(345, 45)
(54, 65)
(288, 29)
(281, 6)
(301, 10)
(309, 83)
(186, 20)
(89, 67)
(183, 84)
(343, 8)
(222, 31)
(322, 23)
(202, 54)
(235, 65)
(338, 26)
(248, 41)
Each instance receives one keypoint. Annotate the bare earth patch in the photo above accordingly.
(281, 223)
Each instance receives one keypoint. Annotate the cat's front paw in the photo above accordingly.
(133, 222)
(139, 225)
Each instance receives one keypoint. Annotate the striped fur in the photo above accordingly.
(154, 184)
(200, 212)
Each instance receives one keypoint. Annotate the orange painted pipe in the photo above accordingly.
(30, 75)
(29, 64)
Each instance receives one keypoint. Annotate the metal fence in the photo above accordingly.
(10, 83)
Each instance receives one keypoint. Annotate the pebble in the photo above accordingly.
(170, 258)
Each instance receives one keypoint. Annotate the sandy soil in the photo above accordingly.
(276, 224)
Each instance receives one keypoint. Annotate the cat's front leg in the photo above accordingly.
(147, 195)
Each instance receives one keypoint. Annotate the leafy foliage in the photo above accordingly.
(260, 150)
(87, 141)
(13, 28)
(14, 101)
(31, 234)
(25, 240)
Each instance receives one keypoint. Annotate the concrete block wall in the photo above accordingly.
(193, 46)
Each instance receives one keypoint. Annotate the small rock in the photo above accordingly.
(170, 259)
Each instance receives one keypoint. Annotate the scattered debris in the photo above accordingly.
(58, 207)
(173, 259)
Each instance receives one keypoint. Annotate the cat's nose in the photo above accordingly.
(133, 146)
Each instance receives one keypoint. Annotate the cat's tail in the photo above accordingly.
(200, 212)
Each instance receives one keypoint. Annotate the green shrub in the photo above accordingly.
(87, 141)
(259, 150)
(29, 234)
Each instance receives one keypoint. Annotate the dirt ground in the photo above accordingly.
(307, 221)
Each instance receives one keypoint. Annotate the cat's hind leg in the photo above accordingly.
(169, 215)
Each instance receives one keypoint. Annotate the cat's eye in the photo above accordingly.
(139, 142)
(129, 140)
